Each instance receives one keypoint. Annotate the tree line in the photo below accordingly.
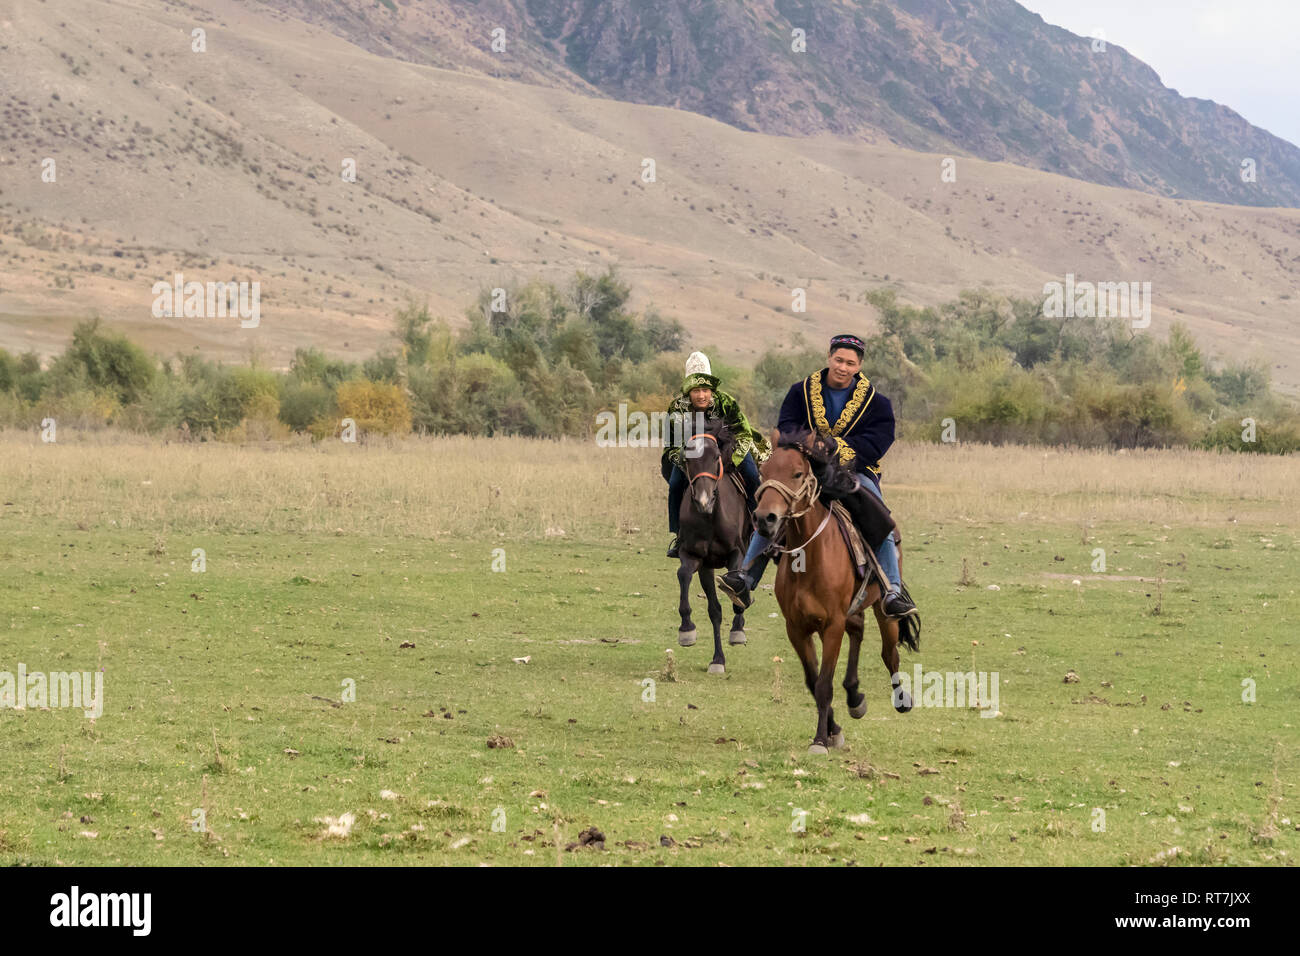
(541, 360)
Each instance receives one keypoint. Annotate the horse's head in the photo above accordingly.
(789, 487)
(706, 451)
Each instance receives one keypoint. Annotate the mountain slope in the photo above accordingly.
(227, 164)
(986, 78)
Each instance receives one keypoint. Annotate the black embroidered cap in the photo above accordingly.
(849, 342)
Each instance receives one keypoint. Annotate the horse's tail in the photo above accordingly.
(909, 628)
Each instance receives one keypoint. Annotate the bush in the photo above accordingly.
(16, 413)
(109, 362)
(1274, 437)
(381, 367)
(31, 380)
(313, 365)
(8, 373)
(220, 397)
(162, 409)
(81, 408)
(374, 406)
(302, 403)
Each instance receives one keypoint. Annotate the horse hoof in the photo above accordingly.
(686, 638)
(818, 750)
(860, 711)
(736, 637)
(717, 669)
(837, 742)
(903, 702)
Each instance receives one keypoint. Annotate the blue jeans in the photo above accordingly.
(749, 474)
(887, 553)
(753, 563)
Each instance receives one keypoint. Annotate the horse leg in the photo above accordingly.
(719, 663)
(856, 699)
(829, 733)
(889, 654)
(685, 571)
(737, 635)
(803, 646)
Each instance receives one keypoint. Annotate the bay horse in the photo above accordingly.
(714, 530)
(816, 601)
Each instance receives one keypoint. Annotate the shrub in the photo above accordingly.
(374, 406)
(313, 365)
(81, 408)
(220, 397)
(1279, 436)
(31, 380)
(381, 367)
(302, 403)
(8, 373)
(109, 362)
(474, 395)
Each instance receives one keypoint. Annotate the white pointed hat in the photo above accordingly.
(699, 373)
(698, 363)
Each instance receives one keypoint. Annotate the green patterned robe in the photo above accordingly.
(748, 439)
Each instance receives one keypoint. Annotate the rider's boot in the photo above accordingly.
(738, 585)
(896, 605)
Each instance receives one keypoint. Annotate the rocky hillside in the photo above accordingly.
(986, 78)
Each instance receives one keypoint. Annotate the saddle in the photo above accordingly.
(738, 481)
(866, 567)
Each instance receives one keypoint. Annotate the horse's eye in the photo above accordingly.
(798, 474)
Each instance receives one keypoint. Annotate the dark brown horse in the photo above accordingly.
(815, 587)
(715, 526)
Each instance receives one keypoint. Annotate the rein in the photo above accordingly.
(819, 530)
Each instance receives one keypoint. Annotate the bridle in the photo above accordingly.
(808, 488)
(690, 479)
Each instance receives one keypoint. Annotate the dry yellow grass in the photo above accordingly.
(461, 487)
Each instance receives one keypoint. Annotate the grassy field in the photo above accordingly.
(338, 571)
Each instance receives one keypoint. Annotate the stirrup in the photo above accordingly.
(860, 598)
(738, 597)
(901, 596)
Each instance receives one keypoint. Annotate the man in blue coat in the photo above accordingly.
(840, 406)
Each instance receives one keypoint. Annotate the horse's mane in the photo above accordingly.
(796, 440)
(726, 441)
(818, 450)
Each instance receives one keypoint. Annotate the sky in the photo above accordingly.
(1243, 54)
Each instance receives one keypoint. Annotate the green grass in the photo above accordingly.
(215, 676)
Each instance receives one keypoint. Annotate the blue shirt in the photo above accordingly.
(836, 399)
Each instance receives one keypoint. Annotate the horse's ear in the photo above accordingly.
(776, 437)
